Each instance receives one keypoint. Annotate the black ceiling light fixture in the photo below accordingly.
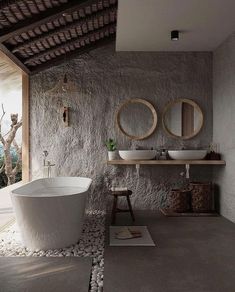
(174, 35)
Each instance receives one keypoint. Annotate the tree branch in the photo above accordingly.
(18, 149)
(19, 159)
(13, 131)
(2, 167)
(17, 166)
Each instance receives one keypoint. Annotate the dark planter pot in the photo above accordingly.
(179, 200)
(201, 196)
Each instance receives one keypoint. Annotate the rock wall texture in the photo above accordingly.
(104, 79)
(223, 123)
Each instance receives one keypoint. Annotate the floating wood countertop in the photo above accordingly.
(166, 162)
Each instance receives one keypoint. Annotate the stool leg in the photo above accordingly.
(114, 210)
(130, 208)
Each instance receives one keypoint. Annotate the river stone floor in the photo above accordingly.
(91, 244)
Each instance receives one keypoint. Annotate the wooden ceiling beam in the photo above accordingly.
(75, 24)
(14, 59)
(73, 54)
(43, 17)
(7, 3)
(71, 42)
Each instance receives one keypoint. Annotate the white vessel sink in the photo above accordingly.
(137, 154)
(187, 154)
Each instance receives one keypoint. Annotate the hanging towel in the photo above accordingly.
(128, 233)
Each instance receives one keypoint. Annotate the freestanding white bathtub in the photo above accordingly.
(50, 211)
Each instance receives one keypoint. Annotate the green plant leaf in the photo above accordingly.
(111, 145)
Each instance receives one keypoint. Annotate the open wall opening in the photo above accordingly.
(13, 123)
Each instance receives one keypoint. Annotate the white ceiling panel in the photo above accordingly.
(145, 25)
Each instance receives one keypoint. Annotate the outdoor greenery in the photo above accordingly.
(3, 177)
(10, 152)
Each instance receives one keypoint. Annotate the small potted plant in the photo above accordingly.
(112, 146)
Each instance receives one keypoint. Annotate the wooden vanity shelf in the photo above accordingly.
(166, 162)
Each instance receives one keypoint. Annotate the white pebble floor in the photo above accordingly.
(91, 244)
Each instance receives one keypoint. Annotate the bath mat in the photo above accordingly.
(36, 274)
(145, 240)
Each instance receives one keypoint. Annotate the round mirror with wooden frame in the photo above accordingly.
(136, 118)
(182, 118)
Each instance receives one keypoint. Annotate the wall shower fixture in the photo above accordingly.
(65, 115)
(65, 83)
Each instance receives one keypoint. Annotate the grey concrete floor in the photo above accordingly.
(34, 274)
(191, 255)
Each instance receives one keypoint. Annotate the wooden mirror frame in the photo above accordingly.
(144, 102)
(185, 100)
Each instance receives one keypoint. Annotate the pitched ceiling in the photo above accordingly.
(37, 34)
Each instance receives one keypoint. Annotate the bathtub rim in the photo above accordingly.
(14, 193)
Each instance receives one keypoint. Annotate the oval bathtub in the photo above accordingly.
(50, 211)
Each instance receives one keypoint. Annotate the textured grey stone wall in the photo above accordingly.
(104, 80)
(224, 123)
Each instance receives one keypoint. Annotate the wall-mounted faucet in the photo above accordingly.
(45, 154)
(47, 165)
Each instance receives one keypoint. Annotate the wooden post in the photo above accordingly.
(25, 127)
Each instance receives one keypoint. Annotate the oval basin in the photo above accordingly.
(137, 154)
(187, 154)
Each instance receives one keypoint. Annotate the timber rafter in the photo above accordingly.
(36, 34)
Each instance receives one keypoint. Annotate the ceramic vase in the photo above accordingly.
(111, 155)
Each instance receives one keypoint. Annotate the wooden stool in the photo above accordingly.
(115, 210)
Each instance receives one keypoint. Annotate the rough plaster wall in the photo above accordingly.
(104, 80)
(224, 123)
